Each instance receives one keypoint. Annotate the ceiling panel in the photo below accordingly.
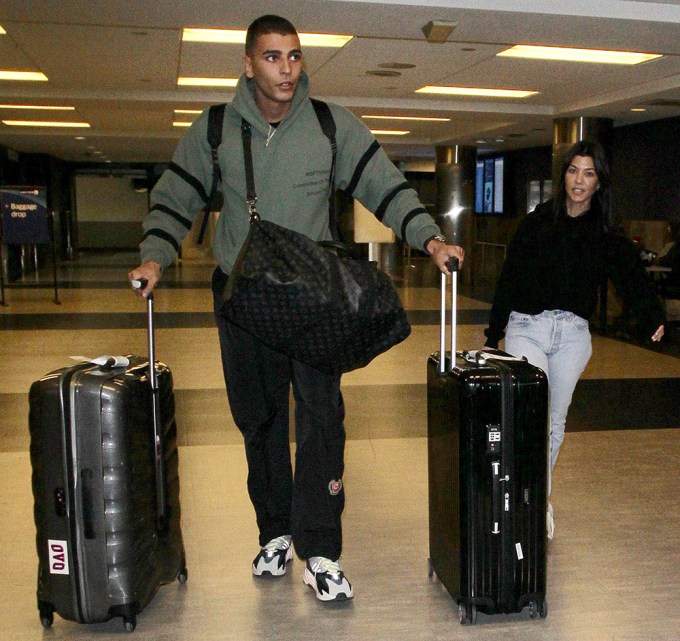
(98, 57)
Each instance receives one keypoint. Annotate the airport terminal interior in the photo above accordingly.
(613, 565)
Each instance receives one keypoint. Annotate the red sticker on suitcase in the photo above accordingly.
(58, 555)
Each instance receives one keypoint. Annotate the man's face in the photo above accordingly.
(275, 66)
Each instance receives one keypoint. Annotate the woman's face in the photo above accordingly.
(580, 182)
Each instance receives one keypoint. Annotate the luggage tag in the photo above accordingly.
(106, 361)
(480, 356)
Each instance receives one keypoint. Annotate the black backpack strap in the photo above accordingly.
(215, 120)
(323, 113)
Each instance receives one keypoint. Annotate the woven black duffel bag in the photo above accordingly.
(313, 301)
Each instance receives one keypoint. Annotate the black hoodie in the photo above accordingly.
(561, 263)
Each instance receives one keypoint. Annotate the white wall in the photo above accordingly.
(109, 212)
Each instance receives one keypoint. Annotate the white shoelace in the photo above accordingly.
(326, 565)
(279, 543)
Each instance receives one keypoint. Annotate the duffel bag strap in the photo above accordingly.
(251, 196)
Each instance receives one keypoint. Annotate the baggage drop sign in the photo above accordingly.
(24, 215)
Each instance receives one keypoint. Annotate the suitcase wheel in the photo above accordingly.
(539, 607)
(130, 623)
(183, 575)
(46, 618)
(468, 613)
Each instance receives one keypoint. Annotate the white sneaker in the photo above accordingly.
(273, 557)
(550, 522)
(327, 579)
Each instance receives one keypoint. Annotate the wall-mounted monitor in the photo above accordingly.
(489, 186)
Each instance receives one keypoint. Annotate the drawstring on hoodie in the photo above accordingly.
(270, 135)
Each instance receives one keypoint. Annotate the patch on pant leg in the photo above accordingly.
(334, 487)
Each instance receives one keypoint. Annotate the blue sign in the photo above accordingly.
(24, 215)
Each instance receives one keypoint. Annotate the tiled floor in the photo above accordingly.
(613, 567)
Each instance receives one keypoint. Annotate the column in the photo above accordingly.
(454, 195)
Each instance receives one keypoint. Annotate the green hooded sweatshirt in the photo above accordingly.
(292, 170)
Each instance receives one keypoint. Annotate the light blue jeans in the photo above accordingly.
(559, 343)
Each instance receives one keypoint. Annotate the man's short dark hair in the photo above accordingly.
(267, 24)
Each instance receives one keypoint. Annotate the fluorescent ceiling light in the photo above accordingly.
(638, 109)
(388, 132)
(188, 81)
(43, 123)
(324, 40)
(578, 55)
(423, 118)
(225, 36)
(476, 91)
(187, 111)
(23, 75)
(45, 107)
(238, 36)
(2, 31)
(181, 123)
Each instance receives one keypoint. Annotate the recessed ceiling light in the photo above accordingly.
(423, 118)
(578, 55)
(476, 91)
(187, 81)
(238, 36)
(43, 123)
(638, 109)
(396, 65)
(389, 132)
(45, 107)
(33, 76)
(385, 73)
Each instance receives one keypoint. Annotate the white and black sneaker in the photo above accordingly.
(273, 557)
(327, 579)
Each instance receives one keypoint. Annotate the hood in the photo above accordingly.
(244, 103)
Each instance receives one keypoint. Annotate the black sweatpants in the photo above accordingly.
(309, 504)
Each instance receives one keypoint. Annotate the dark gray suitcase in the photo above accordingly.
(487, 467)
(106, 488)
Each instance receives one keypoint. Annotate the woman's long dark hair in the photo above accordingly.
(601, 203)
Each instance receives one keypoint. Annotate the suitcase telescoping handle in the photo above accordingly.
(161, 499)
(452, 266)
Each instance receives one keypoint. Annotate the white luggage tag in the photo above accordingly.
(106, 360)
(480, 356)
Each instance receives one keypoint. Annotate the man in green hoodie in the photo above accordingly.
(292, 161)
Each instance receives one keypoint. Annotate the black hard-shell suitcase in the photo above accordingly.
(487, 466)
(106, 488)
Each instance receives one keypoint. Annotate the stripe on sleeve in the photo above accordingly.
(159, 233)
(188, 178)
(382, 208)
(185, 222)
(414, 213)
(361, 165)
